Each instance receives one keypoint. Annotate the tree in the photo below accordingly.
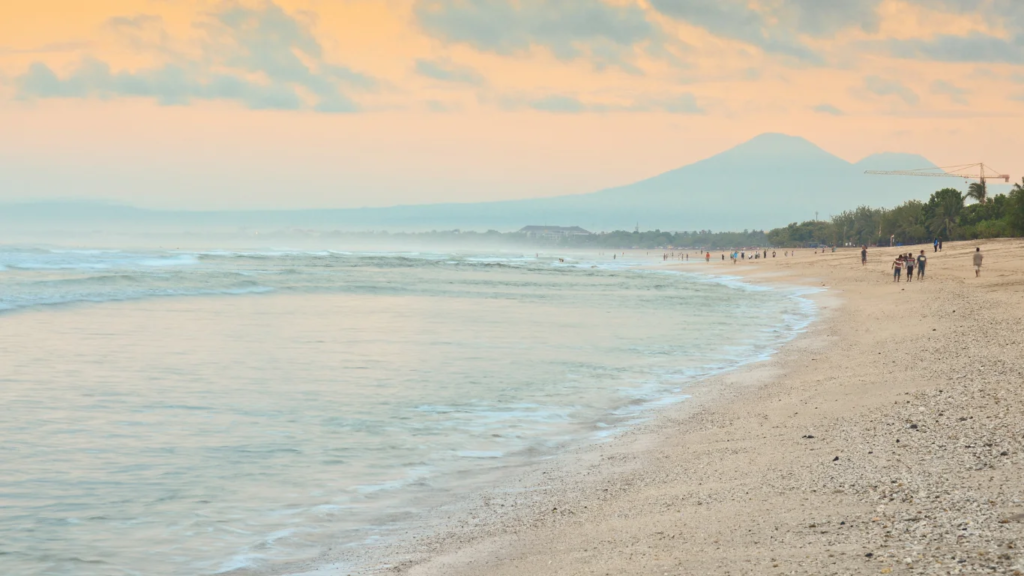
(978, 191)
(905, 223)
(1015, 208)
(842, 226)
(941, 212)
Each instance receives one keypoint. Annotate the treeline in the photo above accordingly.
(657, 239)
(943, 216)
(620, 239)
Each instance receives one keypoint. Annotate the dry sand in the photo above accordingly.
(888, 438)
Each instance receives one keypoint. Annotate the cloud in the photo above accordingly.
(141, 32)
(974, 47)
(735, 19)
(955, 93)
(54, 47)
(446, 71)
(605, 34)
(1006, 48)
(439, 106)
(828, 109)
(170, 85)
(775, 26)
(683, 103)
(559, 104)
(821, 19)
(887, 87)
(261, 57)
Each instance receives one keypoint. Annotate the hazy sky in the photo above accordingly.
(304, 103)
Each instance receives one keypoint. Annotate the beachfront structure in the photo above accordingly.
(553, 231)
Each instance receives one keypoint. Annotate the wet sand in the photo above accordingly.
(888, 438)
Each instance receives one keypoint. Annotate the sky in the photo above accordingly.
(344, 103)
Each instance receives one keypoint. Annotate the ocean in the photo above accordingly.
(190, 412)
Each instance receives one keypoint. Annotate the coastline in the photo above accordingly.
(865, 445)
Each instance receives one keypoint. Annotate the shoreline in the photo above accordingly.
(793, 464)
(522, 478)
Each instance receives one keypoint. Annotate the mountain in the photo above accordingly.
(769, 181)
(894, 161)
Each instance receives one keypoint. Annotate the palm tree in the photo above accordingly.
(942, 211)
(978, 191)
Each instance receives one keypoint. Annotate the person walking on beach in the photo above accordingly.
(707, 257)
(910, 266)
(921, 261)
(897, 268)
(935, 245)
(940, 244)
(977, 262)
(863, 255)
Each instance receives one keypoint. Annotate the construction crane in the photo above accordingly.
(979, 172)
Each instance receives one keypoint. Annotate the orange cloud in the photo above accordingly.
(604, 92)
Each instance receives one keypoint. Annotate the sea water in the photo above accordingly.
(205, 412)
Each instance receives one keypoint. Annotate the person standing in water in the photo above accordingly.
(977, 262)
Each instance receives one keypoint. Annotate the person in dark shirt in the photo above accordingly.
(921, 261)
(863, 255)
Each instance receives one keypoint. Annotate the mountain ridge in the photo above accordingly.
(765, 182)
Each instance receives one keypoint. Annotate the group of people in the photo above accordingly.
(908, 262)
(737, 255)
(905, 261)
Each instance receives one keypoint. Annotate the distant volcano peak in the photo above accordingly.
(769, 149)
(894, 161)
(773, 144)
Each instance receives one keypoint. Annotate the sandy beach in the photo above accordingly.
(887, 438)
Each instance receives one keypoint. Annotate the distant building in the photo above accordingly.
(553, 231)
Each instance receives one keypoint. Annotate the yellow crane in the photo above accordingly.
(980, 172)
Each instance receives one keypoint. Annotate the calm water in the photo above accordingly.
(283, 402)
